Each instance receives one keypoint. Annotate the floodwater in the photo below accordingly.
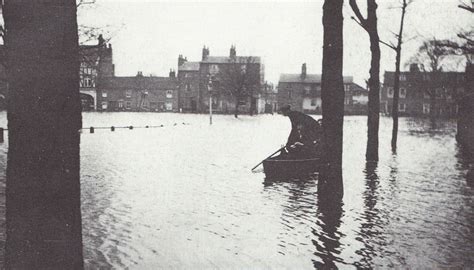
(183, 197)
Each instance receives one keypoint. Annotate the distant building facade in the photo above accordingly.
(197, 80)
(139, 93)
(303, 92)
(424, 93)
(95, 63)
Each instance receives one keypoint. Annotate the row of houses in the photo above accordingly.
(303, 92)
(424, 93)
(198, 83)
(191, 90)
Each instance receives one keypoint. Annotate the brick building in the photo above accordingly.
(424, 93)
(139, 93)
(95, 63)
(303, 92)
(199, 79)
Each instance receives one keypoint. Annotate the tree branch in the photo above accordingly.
(470, 9)
(362, 21)
(391, 46)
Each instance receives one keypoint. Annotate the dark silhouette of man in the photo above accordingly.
(305, 134)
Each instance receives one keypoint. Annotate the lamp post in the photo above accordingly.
(209, 88)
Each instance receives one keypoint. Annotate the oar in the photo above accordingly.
(268, 157)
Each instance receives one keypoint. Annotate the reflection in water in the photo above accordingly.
(327, 239)
(371, 234)
(466, 165)
(307, 212)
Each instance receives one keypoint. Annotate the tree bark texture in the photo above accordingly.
(44, 117)
(332, 91)
(396, 84)
(373, 117)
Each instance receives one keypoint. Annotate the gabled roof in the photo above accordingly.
(160, 83)
(189, 66)
(227, 59)
(309, 78)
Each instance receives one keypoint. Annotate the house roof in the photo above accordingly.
(159, 83)
(309, 78)
(189, 66)
(227, 59)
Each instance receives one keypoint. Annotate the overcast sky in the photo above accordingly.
(149, 35)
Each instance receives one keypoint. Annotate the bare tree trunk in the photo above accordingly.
(43, 217)
(396, 84)
(373, 118)
(396, 91)
(332, 86)
(370, 25)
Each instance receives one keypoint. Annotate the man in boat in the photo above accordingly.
(305, 135)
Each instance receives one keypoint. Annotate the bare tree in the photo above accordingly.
(462, 46)
(239, 79)
(370, 25)
(332, 95)
(396, 84)
(43, 215)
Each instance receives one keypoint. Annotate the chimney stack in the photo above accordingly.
(414, 67)
(181, 60)
(101, 40)
(233, 52)
(172, 73)
(205, 53)
(303, 70)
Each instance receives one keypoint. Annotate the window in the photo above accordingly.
(426, 77)
(169, 93)
(307, 89)
(426, 94)
(169, 106)
(213, 69)
(104, 105)
(128, 93)
(390, 92)
(87, 82)
(347, 87)
(403, 92)
(289, 93)
(104, 94)
(313, 102)
(243, 68)
(439, 93)
(402, 107)
(403, 77)
(188, 87)
(120, 104)
(128, 105)
(426, 108)
(347, 100)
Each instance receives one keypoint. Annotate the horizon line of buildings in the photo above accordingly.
(197, 83)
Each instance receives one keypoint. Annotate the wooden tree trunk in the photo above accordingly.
(373, 117)
(396, 91)
(396, 84)
(332, 91)
(44, 115)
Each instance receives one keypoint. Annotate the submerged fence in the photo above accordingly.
(111, 128)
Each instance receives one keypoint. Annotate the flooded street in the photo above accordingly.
(183, 197)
